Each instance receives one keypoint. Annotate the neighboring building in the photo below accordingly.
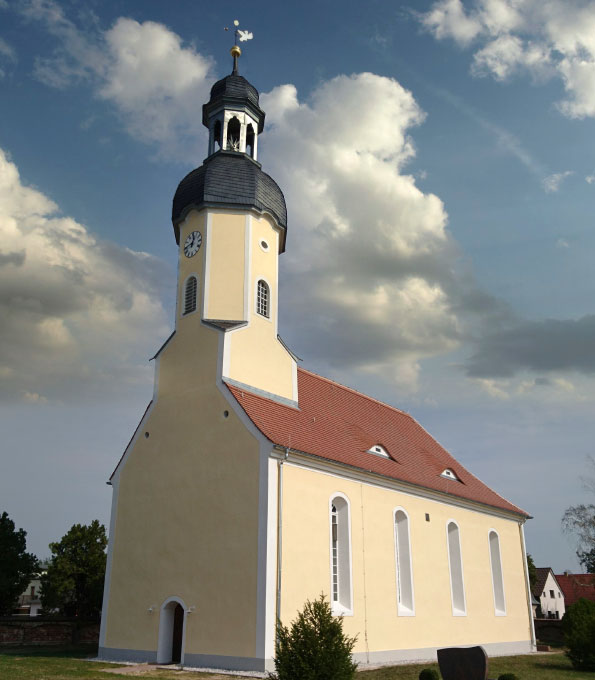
(548, 591)
(575, 586)
(251, 485)
(29, 603)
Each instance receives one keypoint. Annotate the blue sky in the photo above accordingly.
(438, 164)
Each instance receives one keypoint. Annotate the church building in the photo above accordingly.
(252, 485)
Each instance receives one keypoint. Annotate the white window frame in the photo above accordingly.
(456, 570)
(269, 316)
(497, 574)
(344, 607)
(404, 566)
(183, 301)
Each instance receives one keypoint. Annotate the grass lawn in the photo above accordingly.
(71, 664)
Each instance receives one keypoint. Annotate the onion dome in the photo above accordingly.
(231, 177)
(230, 180)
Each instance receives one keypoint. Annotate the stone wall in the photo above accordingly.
(549, 631)
(47, 631)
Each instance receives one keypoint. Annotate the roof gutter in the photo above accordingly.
(518, 516)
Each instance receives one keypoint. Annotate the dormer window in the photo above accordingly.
(378, 450)
(449, 474)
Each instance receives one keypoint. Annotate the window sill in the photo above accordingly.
(340, 610)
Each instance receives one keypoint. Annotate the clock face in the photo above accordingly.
(192, 243)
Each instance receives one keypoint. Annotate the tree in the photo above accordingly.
(17, 567)
(532, 571)
(73, 582)
(580, 521)
(578, 625)
(315, 648)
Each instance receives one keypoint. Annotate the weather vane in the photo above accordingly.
(239, 36)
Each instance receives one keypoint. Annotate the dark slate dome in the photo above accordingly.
(235, 90)
(231, 180)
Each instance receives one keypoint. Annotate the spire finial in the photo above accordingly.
(235, 51)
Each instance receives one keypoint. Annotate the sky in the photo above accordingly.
(438, 162)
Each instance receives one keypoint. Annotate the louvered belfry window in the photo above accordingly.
(190, 295)
(262, 299)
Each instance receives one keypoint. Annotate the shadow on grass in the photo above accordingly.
(72, 651)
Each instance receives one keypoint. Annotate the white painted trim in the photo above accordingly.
(339, 471)
(403, 610)
(294, 380)
(166, 631)
(271, 566)
(456, 611)
(108, 564)
(527, 586)
(497, 610)
(340, 609)
(182, 294)
(207, 264)
(247, 266)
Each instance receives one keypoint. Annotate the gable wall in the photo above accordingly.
(186, 522)
(306, 566)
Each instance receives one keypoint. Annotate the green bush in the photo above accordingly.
(315, 647)
(429, 674)
(507, 676)
(578, 625)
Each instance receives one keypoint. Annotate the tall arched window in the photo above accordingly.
(262, 299)
(455, 564)
(217, 135)
(190, 295)
(250, 140)
(233, 134)
(405, 606)
(341, 596)
(497, 579)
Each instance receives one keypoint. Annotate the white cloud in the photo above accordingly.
(156, 84)
(551, 183)
(589, 179)
(562, 243)
(371, 266)
(7, 55)
(543, 38)
(79, 316)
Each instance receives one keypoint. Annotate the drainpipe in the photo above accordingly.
(527, 584)
(279, 532)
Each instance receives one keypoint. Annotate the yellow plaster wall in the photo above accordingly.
(187, 513)
(306, 565)
(256, 357)
(226, 267)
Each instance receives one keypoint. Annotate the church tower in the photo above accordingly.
(230, 223)
(233, 504)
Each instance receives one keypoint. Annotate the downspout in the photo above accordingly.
(527, 585)
(279, 533)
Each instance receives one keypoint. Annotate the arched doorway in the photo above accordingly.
(170, 648)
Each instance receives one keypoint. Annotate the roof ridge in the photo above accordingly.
(352, 389)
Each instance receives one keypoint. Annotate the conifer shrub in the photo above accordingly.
(578, 625)
(429, 674)
(315, 646)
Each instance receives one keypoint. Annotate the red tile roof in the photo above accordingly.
(575, 586)
(339, 424)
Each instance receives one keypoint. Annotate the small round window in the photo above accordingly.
(264, 245)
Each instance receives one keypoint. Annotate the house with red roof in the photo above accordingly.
(252, 485)
(575, 586)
